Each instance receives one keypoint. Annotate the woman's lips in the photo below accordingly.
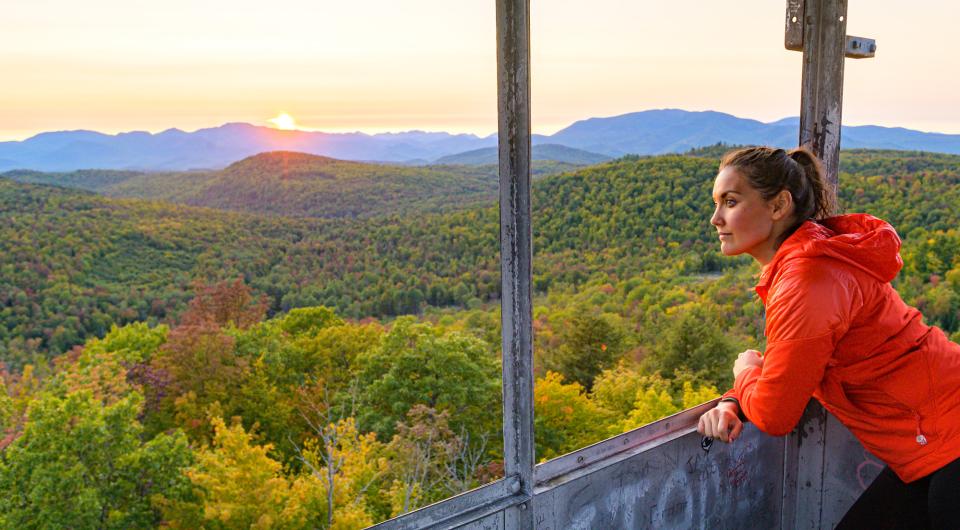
(724, 234)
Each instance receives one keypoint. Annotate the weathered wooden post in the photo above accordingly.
(818, 29)
(516, 250)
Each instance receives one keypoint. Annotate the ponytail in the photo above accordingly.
(816, 198)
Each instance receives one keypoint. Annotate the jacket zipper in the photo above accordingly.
(921, 439)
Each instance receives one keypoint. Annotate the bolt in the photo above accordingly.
(855, 45)
(515, 487)
(873, 48)
(580, 459)
(523, 506)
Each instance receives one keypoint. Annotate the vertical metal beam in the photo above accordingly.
(804, 454)
(824, 43)
(819, 28)
(516, 249)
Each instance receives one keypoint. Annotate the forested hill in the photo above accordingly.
(294, 184)
(73, 263)
(297, 184)
(98, 180)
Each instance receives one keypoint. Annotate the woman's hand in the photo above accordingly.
(745, 360)
(721, 422)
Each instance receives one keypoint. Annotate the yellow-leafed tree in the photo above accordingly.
(236, 485)
(564, 417)
(345, 468)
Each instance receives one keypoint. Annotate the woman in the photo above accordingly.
(836, 330)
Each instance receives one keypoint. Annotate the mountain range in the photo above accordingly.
(644, 133)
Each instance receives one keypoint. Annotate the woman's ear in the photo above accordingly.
(782, 205)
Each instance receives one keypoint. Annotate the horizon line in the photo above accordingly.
(414, 129)
(375, 130)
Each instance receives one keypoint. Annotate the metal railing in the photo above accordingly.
(659, 476)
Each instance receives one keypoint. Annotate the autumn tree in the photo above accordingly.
(694, 341)
(615, 389)
(308, 344)
(416, 365)
(333, 351)
(223, 304)
(695, 396)
(297, 364)
(564, 417)
(588, 345)
(420, 452)
(133, 343)
(198, 358)
(651, 404)
(467, 462)
(23, 389)
(349, 467)
(82, 464)
(654, 401)
(235, 484)
(309, 320)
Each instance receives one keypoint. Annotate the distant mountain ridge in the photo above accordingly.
(555, 152)
(644, 133)
(217, 147)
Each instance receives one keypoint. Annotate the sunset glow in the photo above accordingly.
(284, 122)
(422, 65)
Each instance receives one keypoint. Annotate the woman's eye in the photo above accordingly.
(730, 203)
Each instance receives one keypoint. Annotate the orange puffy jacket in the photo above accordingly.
(837, 330)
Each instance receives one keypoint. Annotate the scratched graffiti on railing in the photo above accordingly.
(674, 486)
(868, 468)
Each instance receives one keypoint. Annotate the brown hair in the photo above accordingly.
(770, 170)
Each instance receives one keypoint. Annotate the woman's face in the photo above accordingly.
(745, 222)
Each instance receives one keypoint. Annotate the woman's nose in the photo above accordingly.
(715, 219)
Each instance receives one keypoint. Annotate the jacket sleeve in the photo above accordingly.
(809, 311)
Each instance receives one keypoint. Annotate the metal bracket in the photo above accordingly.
(793, 34)
(856, 47)
(859, 48)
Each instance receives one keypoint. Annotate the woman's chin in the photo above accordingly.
(729, 250)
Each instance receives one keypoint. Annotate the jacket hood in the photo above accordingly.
(861, 240)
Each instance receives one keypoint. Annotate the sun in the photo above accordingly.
(284, 122)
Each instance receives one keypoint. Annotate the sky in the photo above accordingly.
(394, 65)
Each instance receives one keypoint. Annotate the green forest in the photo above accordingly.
(183, 367)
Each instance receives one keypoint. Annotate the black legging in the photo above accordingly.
(930, 502)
